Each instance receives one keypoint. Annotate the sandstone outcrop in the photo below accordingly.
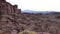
(8, 8)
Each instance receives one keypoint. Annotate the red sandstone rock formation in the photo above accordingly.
(8, 8)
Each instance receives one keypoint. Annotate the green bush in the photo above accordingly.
(27, 32)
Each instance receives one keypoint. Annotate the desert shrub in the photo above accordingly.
(27, 32)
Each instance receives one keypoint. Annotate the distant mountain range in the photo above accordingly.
(40, 12)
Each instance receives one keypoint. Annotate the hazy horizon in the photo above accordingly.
(37, 5)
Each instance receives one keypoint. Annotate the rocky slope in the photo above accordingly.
(38, 23)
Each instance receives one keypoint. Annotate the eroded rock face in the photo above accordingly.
(7, 8)
(7, 22)
(2, 0)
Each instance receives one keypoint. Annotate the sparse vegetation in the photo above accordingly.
(27, 32)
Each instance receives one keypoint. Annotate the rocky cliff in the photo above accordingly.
(13, 21)
(8, 8)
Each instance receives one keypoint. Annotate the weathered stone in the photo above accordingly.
(14, 32)
(1, 32)
(8, 8)
(43, 33)
(2, 0)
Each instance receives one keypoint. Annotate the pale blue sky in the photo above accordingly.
(39, 5)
